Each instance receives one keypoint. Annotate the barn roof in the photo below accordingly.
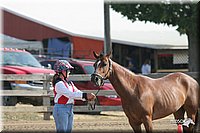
(11, 42)
(85, 19)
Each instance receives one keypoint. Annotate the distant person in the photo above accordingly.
(64, 94)
(146, 67)
(131, 65)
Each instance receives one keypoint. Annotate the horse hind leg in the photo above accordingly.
(197, 124)
(191, 113)
(179, 115)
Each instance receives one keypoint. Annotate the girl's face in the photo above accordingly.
(66, 73)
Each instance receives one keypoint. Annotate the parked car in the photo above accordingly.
(17, 61)
(86, 67)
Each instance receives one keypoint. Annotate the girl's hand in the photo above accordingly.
(90, 96)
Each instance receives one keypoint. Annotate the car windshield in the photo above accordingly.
(19, 59)
(89, 69)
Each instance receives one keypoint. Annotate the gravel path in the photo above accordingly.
(108, 121)
(105, 122)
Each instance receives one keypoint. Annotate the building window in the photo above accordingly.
(176, 60)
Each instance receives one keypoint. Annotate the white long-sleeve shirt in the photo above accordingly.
(146, 69)
(65, 93)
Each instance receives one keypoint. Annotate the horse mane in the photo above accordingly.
(122, 79)
(128, 74)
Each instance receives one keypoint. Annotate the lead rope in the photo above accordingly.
(92, 103)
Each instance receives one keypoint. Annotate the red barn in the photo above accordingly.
(29, 26)
(81, 26)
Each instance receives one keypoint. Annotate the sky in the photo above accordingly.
(85, 17)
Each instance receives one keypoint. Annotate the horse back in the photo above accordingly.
(178, 80)
(167, 94)
(185, 83)
(188, 86)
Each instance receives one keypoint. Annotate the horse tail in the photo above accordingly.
(197, 119)
(198, 88)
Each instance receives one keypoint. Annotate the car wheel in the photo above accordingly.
(35, 101)
(9, 101)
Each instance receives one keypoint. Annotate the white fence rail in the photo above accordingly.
(46, 93)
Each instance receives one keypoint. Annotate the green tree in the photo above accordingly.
(184, 15)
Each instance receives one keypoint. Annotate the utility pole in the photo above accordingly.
(107, 39)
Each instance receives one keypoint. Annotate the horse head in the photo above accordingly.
(103, 68)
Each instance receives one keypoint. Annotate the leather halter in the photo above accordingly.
(98, 79)
(95, 77)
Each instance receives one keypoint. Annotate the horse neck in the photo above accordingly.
(122, 79)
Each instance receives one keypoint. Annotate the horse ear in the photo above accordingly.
(109, 54)
(95, 55)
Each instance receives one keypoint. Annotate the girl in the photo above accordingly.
(64, 94)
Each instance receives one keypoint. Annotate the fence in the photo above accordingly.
(46, 93)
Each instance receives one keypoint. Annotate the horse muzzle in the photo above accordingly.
(97, 79)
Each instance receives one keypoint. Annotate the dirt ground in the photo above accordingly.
(108, 121)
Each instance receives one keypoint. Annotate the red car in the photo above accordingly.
(16, 61)
(86, 67)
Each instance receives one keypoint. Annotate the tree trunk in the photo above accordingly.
(193, 47)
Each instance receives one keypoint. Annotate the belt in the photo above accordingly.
(65, 104)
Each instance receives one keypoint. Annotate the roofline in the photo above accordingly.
(36, 21)
(152, 46)
(50, 26)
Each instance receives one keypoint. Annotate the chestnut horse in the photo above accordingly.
(145, 99)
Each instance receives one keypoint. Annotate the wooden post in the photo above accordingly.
(107, 39)
(46, 99)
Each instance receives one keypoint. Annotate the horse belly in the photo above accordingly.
(161, 114)
(167, 105)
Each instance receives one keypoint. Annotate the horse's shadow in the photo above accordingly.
(100, 114)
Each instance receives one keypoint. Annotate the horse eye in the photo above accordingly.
(104, 64)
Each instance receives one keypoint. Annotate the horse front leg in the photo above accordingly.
(147, 121)
(135, 126)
